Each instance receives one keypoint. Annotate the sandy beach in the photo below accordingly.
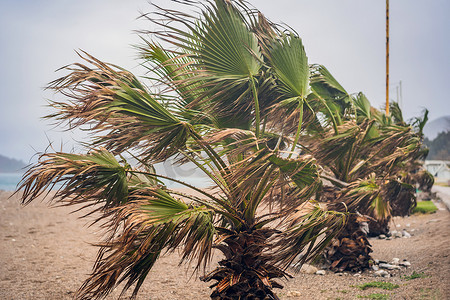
(46, 253)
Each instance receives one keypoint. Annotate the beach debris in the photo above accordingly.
(293, 294)
(308, 269)
(381, 273)
(398, 234)
(406, 234)
(388, 266)
(321, 272)
(433, 221)
(405, 263)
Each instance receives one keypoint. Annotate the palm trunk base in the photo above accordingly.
(378, 227)
(244, 291)
(350, 250)
(246, 272)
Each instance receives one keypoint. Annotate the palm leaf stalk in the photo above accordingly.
(219, 79)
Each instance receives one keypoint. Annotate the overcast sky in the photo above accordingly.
(347, 36)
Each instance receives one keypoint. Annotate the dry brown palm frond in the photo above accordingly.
(425, 180)
(232, 138)
(290, 116)
(94, 177)
(119, 110)
(400, 196)
(151, 222)
(305, 237)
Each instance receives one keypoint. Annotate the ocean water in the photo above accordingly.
(9, 181)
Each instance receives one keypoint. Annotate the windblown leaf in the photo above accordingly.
(288, 58)
(308, 234)
(152, 221)
(363, 107)
(225, 45)
(396, 113)
(116, 103)
(96, 176)
(328, 88)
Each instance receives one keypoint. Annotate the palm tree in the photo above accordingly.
(369, 157)
(223, 84)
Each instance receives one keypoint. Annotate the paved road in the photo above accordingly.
(444, 193)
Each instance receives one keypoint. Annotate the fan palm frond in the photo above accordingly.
(112, 100)
(307, 234)
(150, 222)
(96, 177)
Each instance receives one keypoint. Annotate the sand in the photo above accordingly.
(45, 253)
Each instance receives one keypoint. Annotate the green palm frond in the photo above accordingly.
(420, 122)
(227, 59)
(360, 149)
(363, 107)
(153, 221)
(302, 171)
(327, 88)
(266, 174)
(171, 70)
(395, 147)
(339, 152)
(96, 176)
(366, 197)
(381, 117)
(288, 59)
(225, 45)
(396, 113)
(324, 83)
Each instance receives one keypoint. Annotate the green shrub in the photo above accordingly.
(415, 275)
(425, 207)
(378, 284)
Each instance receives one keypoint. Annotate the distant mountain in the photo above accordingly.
(433, 128)
(439, 147)
(10, 165)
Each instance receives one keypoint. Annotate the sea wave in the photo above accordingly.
(9, 181)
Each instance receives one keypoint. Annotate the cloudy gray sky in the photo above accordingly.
(347, 36)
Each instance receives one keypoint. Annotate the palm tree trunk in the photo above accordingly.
(245, 273)
(350, 250)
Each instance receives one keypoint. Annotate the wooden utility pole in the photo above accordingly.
(387, 57)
